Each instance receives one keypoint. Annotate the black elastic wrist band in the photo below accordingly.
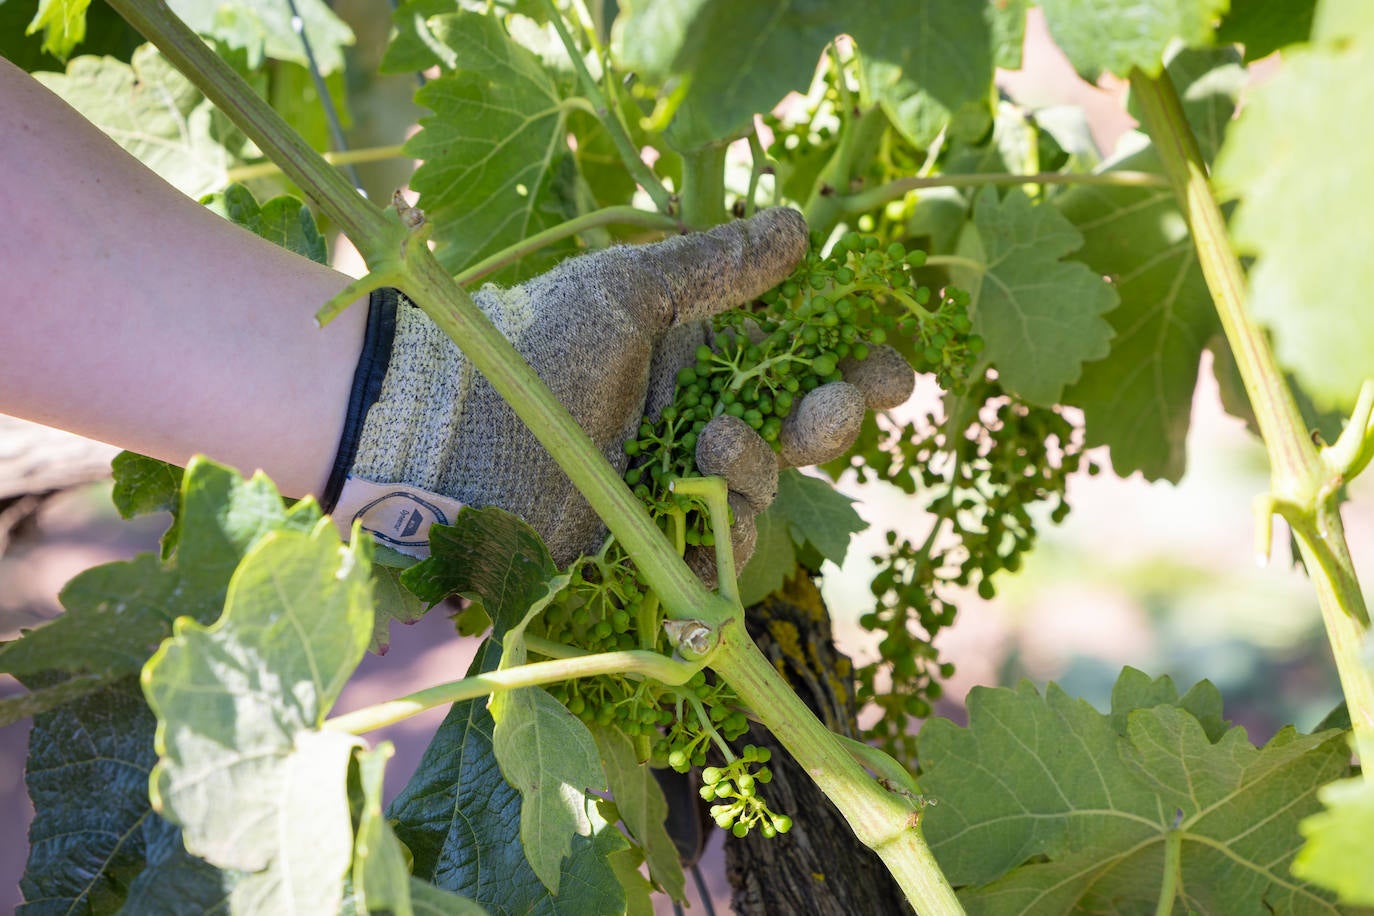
(367, 385)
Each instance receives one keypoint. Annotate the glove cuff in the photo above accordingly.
(373, 362)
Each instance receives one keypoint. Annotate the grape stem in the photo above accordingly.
(531, 674)
(615, 128)
(1303, 487)
(863, 201)
(343, 157)
(607, 216)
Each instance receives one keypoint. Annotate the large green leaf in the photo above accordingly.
(242, 767)
(93, 827)
(1040, 315)
(1119, 35)
(264, 28)
(1292, 157)
(493, 146)
(155, 113)
(461, 821)
(1044, 805)
(1338, 840)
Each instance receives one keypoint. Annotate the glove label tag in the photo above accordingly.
(397, 515)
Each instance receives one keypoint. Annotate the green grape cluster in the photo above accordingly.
(763, 360)
(734, 788)
(987, 470)
(798, 336)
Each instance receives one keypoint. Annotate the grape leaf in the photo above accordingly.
(381, 873)
(1039, 315)
(1288, 158)
(1007, 23)
(543, 749)
(547, 753)
(1139, 399)
(63, 24)
(155, 113)
(642, 807)
(771, 48)
(87, 774)
(1334, 855)
(1118, 35)
(414, 47)
(1044, 805)
(460, 819)
(174, 881)
(1266, 26)
(284, 221)
(493, 148)
(143, 485)
(242, 767)
(809, 513)
(929, 61)
(117, 613)
(106, 34)
(264, 28)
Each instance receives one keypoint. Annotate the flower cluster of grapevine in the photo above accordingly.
(986, 470)
(763, 360)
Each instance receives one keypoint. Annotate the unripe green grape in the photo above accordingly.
(740, 829)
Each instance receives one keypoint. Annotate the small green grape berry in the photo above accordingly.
(740, 829)
(745, 783)
(823, 365)
(712, 775)
(707, 793)
(679, 761)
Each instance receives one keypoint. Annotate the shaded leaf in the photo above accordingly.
(1266, 26)
(381, 874)
(1118, 35)
(143, 485)
(1289, 159)
(1138, 401)
(772, 50)
(808, 514)
(155, 113)
(284, 221)
(87, 774)
(642, 807)
(461, 821)
(1043, 806)
(929, 61)
(241, 767)
(1040, 315)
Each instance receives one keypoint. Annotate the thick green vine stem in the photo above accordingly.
(1303, 487)
(887, 822)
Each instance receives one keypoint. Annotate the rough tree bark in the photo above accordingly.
(819, 868)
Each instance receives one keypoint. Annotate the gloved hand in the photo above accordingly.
(597, 330)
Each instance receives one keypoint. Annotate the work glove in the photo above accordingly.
(603, 331)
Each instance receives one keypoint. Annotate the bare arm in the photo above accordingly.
(133, 315)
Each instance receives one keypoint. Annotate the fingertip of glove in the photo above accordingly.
(823, 426)
(730, 448)
(885, 377)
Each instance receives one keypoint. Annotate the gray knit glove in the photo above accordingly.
(597, 331)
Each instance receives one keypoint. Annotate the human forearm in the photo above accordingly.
(134, 315)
